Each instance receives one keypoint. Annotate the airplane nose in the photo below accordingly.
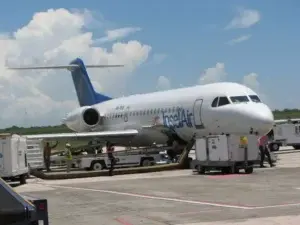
(255, 117)
(263, 118)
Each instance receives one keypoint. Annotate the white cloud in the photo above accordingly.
(163, 83)
(245, 18)
(239, 39)
(213, 74)
(56, 37)
(251, 81)
(117, 34)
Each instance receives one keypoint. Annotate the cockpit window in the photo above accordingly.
(239, 99)
(223, 101)
(254, 98)
(215, 102)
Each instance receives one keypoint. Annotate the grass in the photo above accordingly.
(278, 114)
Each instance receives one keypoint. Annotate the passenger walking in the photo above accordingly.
(68, 155)
(110, 149)
(263, 147)
(47, 155)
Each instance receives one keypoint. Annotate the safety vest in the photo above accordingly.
(68, 154)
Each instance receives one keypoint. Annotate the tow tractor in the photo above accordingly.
(127, 158)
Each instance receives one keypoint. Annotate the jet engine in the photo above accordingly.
(83, 119)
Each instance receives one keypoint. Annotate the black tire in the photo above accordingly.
(22, 179)
(236, 170)
(147, 162)
(226, 170)
(201, 170)
(296, 147)
(274, 147)
(249, 170)
(97, 165)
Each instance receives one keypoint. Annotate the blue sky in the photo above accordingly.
(191, 35)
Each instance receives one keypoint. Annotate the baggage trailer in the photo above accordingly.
(35, 154)
(225, 153)
(18, 210)
(13, 158)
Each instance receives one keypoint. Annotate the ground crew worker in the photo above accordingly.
(263, 147)
(47, 154)
(68, 155)
(110, 149)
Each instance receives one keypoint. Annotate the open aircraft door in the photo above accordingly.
(197, 114)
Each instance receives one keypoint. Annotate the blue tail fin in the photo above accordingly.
(84, 89)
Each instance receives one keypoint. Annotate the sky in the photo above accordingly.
(164, 44)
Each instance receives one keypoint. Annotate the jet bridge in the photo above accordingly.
(17, 210)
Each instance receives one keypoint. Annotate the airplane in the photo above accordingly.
(160, 117)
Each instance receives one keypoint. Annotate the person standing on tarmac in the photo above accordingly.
(47, 154)
(110, 149)
(68, 155)
(263, 147)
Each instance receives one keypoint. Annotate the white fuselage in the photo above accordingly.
(188, 111)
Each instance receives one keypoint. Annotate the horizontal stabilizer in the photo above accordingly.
(68, 67)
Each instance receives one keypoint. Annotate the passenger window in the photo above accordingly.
(223, 101)
(215, 102)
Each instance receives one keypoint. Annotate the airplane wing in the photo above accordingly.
(106, 135)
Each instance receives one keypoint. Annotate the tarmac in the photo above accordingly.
(268, 196)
